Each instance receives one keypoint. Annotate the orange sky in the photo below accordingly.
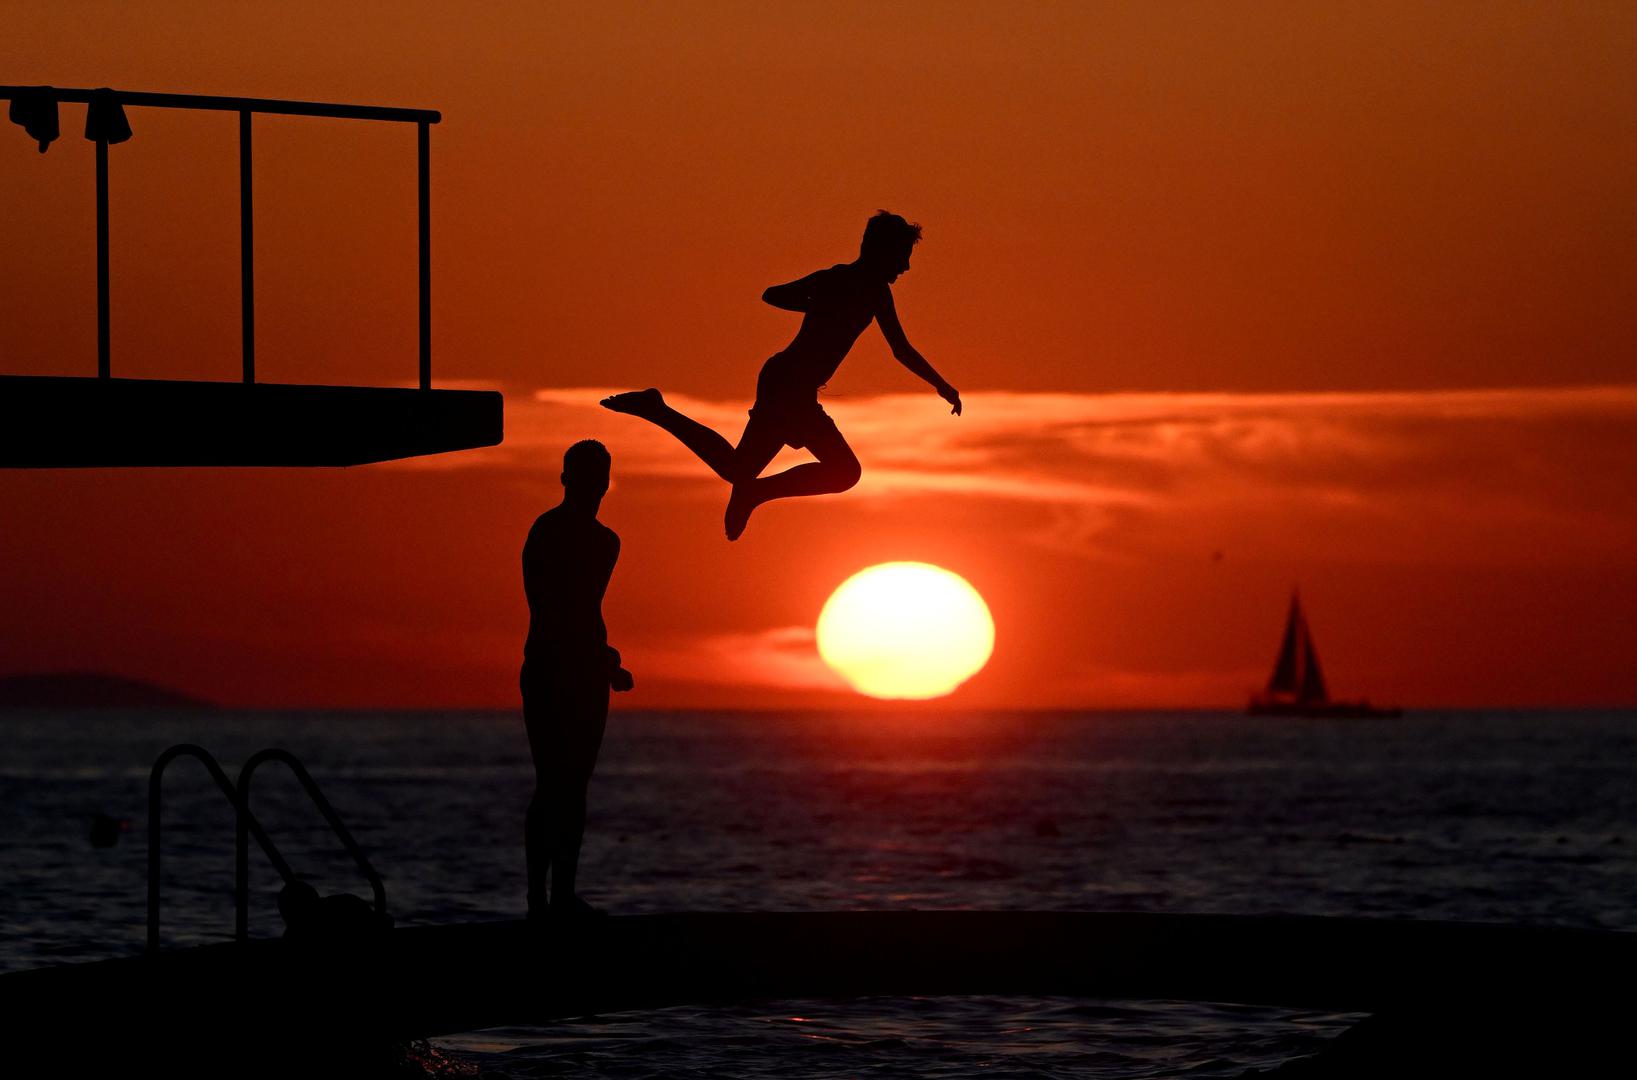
(1342, 294)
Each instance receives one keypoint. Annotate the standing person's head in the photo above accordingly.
(888, 239)
(585, 471)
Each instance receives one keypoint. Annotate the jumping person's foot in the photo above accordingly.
(738, 513)
(643, 403)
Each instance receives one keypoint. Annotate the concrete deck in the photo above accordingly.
(418, 982)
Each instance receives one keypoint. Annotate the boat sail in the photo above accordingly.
(1296, 687)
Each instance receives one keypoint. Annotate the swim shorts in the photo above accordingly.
(790, 406)
(565, 714)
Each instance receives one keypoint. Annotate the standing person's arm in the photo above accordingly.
(886, 316)
(619, 679)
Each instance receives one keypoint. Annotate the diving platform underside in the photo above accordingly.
(424, 981)
(59, 422)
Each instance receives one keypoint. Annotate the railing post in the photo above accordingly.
(425, 156)
(103, 364)
(247, 273)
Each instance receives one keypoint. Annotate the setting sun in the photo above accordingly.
(905, 630)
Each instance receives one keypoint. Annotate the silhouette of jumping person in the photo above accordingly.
(837, 305)
(568, 669)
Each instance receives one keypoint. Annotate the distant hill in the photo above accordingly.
(89, 690)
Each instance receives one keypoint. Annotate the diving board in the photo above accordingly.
(75, 422)
(49, 422)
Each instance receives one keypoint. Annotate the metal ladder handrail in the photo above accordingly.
(247, 823)
(241, 814)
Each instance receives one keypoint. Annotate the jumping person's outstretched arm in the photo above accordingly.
(795, 296)
(886, 316)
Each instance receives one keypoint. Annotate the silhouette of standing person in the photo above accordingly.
(837, 305)
(568, 669)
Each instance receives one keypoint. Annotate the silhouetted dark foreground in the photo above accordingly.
(269, 1004)
(1541, 1032)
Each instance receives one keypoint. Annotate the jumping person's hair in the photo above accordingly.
(888, 232)
(586, 456)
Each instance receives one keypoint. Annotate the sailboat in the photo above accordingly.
(1296, 687)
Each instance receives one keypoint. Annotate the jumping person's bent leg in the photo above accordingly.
(707, 445)
(836, 469)
(760, 443)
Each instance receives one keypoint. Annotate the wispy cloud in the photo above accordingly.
(1091, 463)
(1028, 445)
(1496, 475)
(784, 657)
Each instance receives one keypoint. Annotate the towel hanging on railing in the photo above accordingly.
(105, 118)
(35, 108)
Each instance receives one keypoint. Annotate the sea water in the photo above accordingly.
(1512, 817)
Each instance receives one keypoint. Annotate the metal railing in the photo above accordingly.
(241, 814)
(246, 108)
(241, 894)
(245, 826)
